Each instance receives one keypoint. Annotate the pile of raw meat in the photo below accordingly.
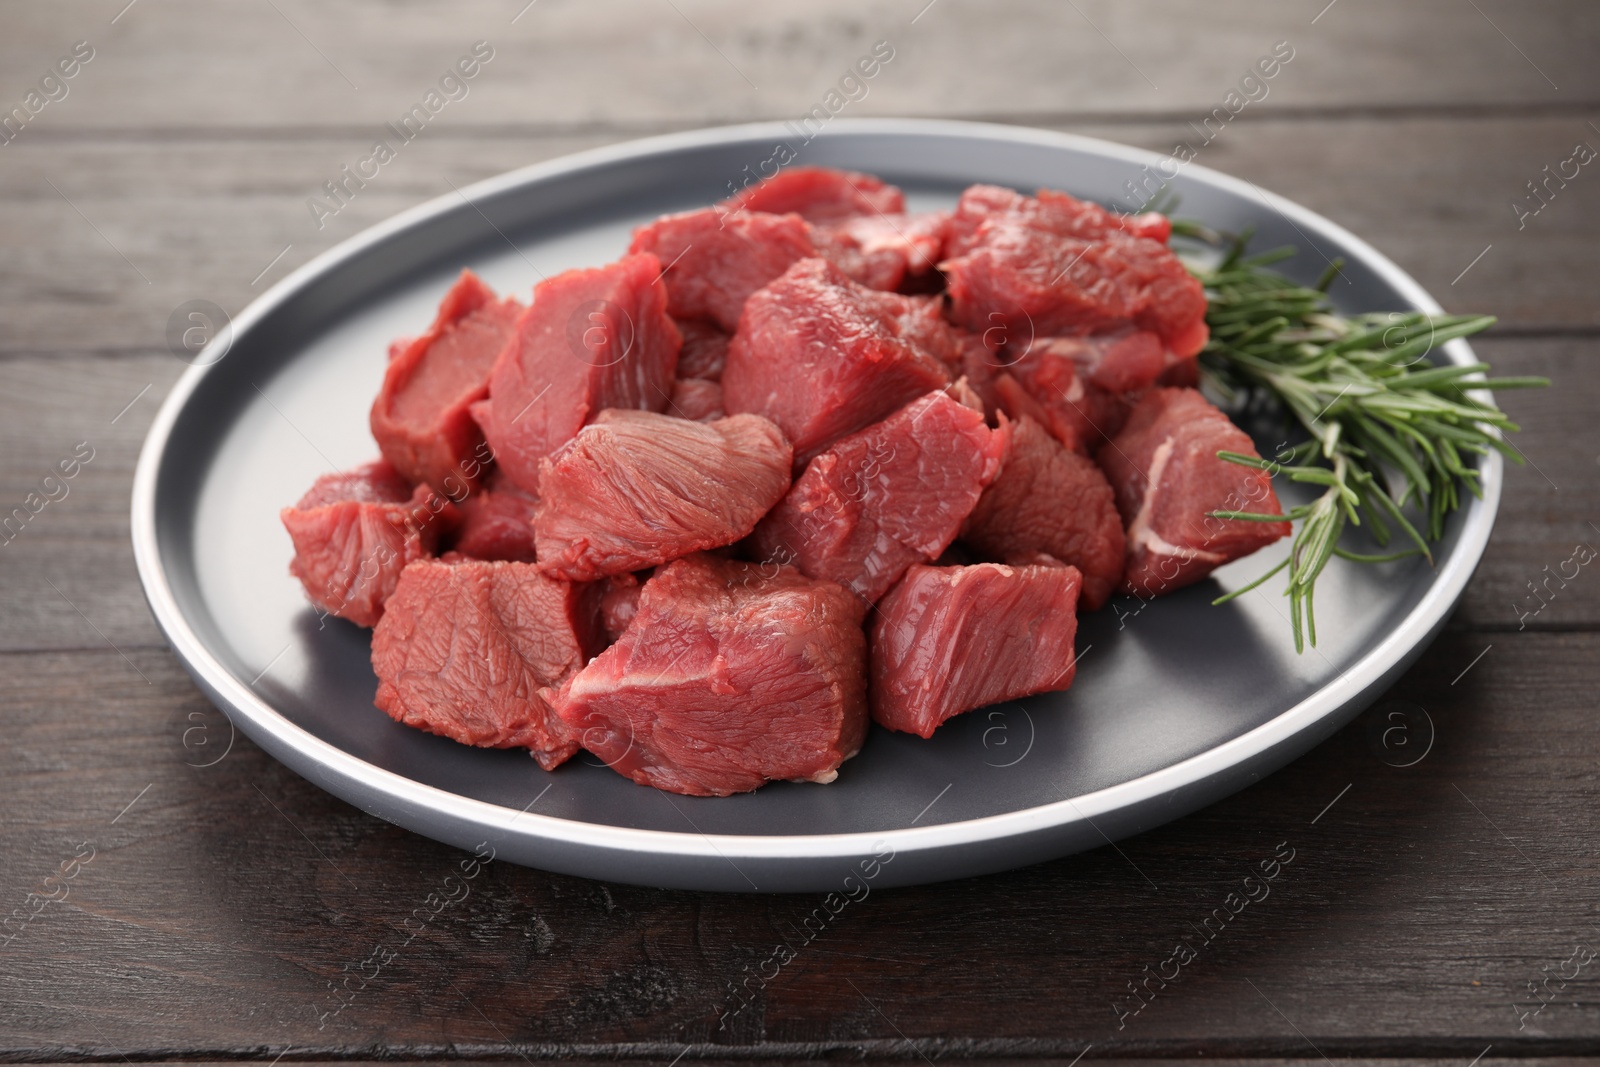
(796, 461)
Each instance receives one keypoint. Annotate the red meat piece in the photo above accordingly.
(465, 649)
(619, 603)
(1081, 388)
(635, 489)
(1053, 211)
(421, 418)
(1052, 501)
(883, 251)
(696, 399)
(355, 531)
(950, 639)
(819, 194)
(704, 351)
(822, 356)
(497, 522)
(1060, 266)
(715, 261)
(889, 496)
(1168, 479)
(732, 674)
(593, 339)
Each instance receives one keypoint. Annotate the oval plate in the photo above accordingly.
(1176, 704)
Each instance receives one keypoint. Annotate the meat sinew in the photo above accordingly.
(1057, 267)
(465, 648)
(593, 339)
(1052, 501)
(715, 261)
(421, 418)
(497, 522)
(886, 497)
(635, 489)
(355, 531)
(731, 674)
(822, 356)
(1168, 479)
(950, 639)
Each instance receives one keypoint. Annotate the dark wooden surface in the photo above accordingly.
(224, 902)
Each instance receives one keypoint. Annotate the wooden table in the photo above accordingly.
(212, 910)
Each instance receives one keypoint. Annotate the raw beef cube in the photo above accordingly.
(619, 603)
(1058, 266)
(950, 639)
(822, 356)
(883, 251)
(421, 418)
(1053, 211)
(889, 496)
(715, 261)
(465, 649)
(1064, 383)
(593, 339)
(354, 532)
(704, 351)
(1168, 479)
(1052, 501)
(819, 194)
(696, 399)
(732, 674)
(497, 522)
(635, 489)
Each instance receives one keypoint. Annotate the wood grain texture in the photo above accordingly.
(222, 902)
(112, 236)
(227, 899)
(297, 64)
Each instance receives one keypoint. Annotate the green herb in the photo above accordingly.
(1388, 433)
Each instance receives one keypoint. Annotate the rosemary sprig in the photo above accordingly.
(1392, 439)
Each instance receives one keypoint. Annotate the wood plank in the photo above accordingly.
(222, 900)
(190, 65)
(130, 231)
(72, 584)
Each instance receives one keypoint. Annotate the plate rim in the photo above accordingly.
(1406, 638)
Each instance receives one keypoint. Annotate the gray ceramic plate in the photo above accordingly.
(1176, 704)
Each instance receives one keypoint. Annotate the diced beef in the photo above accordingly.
(593, 339)
(1168, 479)
(819, 194)
(704, 351)
(635, 489)
(731, 675)
(618, 604)
(883, 251)
(355, 531)
(465, 649)
(421, 418)
(886, 497)
(950, 639)
(822, 356)
(696, 399)
(497, 522)
(1052, 211)
(1080, 388)
(1053, 501)
(715, 261)
(1063, 267)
